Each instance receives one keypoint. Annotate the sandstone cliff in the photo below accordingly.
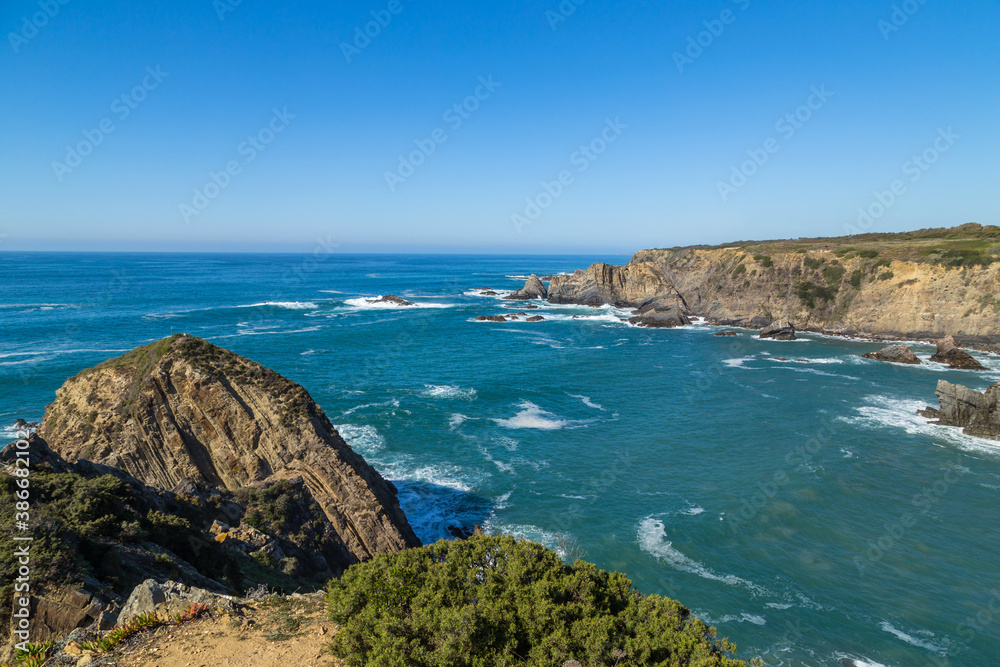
(917, 286)
(184, 409)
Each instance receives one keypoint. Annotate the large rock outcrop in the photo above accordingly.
(896, 354)
(949, 353)
(975, 412)
(659, 314)
(184, 409)
(895, 286)
(780, 330)
(533, 289)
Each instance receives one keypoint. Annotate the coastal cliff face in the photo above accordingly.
(184, 409)
(826, 285)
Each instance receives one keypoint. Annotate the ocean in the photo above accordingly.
(785, 491)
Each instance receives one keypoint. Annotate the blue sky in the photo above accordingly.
(601, 127)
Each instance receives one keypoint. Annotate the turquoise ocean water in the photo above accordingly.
(785, 491)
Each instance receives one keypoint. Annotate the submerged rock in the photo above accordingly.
(896, 354)
(949, 353)
(779, 330)
(726, 334)
(491, 318)
(974, 412)
(533, 289)
(391, 298)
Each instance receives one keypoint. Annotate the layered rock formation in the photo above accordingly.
(976, 413)
(533, 289)
(780, 330)
(896, 354)
(390, 299)
(658, 314)
(893, 287)
(184, 409)
(948, 353)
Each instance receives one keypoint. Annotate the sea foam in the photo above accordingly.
(532, 416)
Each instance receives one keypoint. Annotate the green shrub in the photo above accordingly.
(883, 262)
(856, 277)
(834, 274)
(765, 260)
(492, 601)
(808, 293)
(740, 270)
(814, 262)
(888, 275)
(868, 254)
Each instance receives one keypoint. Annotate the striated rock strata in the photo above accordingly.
(948, 353)
(914, 286)
(533, 289)
(184, 409)
(975, 412)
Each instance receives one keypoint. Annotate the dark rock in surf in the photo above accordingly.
(779, 330)
(391, 298)
(949, 353)
(533, 289)
(895, 354)
(974, 412)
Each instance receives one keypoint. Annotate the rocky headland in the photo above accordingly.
(920, 285)
(182, 460)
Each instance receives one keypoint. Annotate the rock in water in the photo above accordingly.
(949, 353)
(779, 330)
(896, 354)
(391, 298)
(533, 289)
(535, 318)
(183, 408)
(657, 317)
(491, 318)
(976, 413)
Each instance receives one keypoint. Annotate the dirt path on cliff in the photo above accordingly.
(271, 633)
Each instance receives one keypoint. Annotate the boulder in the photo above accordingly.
(491, 318)
(949, 353)
(533, 289)
(536, 318)
(169, 599)
(391, 299)
(974, 412)
(778, 330)
(661, 318)
(896, 354)
(726, 334)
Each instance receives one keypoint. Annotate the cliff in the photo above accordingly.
(183, 409)
(917, 285)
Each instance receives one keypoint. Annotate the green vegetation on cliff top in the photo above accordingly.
(971, 244)
(491, 601)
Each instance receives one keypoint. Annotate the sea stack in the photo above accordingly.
(184, 410)
(533, 289)
(974, 412)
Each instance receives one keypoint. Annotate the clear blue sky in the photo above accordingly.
(687, 122)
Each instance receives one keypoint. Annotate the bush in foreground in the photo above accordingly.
(491, 601)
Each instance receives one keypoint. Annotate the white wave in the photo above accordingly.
(847, 454)
(693, 511)
(393, 403)
(855, 661)
(888, 412)
(307, 353)
(778, 605)
(532, 416)
(457, 419)
(742, 618)
(365, 303)
(805, 361)
(914, 641)
(501, 502)
(652, 538)
(500, 293)
(738, 363)
(365, 440)
(586, 401)
(10, 433)
(550, 539)
(289, 305)
(449, 391)
(510, 444)
(450, 477)
(272, 332)
(501, 466)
